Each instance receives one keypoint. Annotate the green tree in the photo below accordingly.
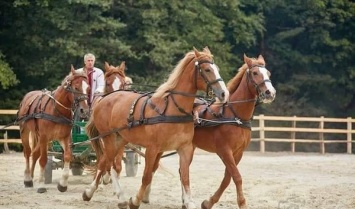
(312, 48)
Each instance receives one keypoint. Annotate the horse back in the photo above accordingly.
(35, 102)
(124, 106)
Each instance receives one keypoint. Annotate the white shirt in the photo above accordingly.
(97, 82)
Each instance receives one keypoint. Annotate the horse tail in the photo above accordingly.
(92, 132)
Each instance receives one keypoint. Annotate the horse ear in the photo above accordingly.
(248, 61)
(107, 66)
(72, 69)
(261, 58)
(123, 65)
(197, 53)
(207, 50)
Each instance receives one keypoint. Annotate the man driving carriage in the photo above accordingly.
(95, 75)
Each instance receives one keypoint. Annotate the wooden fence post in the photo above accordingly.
(349, 136)
(321, 136)
(262, 133)
(6, 146)
(293, 136)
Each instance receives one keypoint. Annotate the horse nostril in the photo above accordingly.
(223, 95)
(267, 92)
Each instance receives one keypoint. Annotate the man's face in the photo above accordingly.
(89, 62)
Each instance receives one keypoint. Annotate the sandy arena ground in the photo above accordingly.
(271, 181)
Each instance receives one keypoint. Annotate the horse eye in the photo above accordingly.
(255, 73)
(208, 70)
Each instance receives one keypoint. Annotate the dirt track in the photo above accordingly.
(271, 181)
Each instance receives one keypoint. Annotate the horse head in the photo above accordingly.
(114, 77)
(259, 77)
(77, 84)
(209, 78)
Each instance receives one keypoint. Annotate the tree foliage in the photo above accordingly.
(308, 45)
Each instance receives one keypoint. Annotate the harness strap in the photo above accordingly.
(223, 121)
(163, 119)
(131, 111)
(156, 109)
(45, 116)
(148, 121)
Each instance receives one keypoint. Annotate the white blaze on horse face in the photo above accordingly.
(85, 87)
(268, 85)
(223, 85)
(116, 84)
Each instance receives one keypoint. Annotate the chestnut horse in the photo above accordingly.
(115, 79)
(44, 116)
(160, 122)
(225, 129)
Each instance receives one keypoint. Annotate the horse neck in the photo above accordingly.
(62, 104)
(242, 99)
(186, 86)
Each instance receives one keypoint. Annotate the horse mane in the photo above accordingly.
(72, 75)
(174, 76)
(233, 84)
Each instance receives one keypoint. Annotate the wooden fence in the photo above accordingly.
(320, 130)
(276, 129)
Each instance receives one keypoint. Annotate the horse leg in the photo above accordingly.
(231, 171)
(237, 178)
(28, 178)
(151, 157)
(147, 190)
(106, 178)
(186, 155)
(101, 167)
(63, 183)
(208, 204)
(115, 176)
(42, 146)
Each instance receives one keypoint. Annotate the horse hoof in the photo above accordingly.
(28, 183)
(205, 205)
(145, 201)
(85, 197)
(41, 190)
(61, 188)
(131, 205)
(123, 205)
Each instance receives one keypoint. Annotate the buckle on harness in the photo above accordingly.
(237, 120)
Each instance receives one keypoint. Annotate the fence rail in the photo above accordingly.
(266, 131)
(292, 125)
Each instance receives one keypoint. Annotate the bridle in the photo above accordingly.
(198, 69)
(209, 90)
(78, 96)
(120, 77)
(261, 95)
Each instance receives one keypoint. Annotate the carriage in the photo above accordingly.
(83, 155)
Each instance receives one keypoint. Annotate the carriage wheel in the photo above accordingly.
(131, 163)
(77, 169)
(48, 170)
